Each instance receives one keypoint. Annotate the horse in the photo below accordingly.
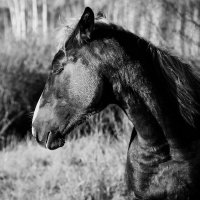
(101, 63)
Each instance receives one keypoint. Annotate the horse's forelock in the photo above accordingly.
(64, 31)
(67, 27)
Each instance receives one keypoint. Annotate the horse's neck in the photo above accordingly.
(150, 134)
(156, 119)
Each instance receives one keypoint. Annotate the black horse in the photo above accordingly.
(101, 63)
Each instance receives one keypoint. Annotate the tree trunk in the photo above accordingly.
(44, 18)
(23, 19)
(14, 18)
(17, 17)
(35, 16)
(5, 23)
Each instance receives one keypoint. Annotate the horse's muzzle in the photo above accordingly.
(50, 140)
(54, 140)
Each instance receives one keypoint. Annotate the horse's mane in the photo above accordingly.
(181, 79)
(67, 28)
(64, 31)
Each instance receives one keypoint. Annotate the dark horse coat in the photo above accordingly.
(100, 64)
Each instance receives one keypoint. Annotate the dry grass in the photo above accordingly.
(89, 168)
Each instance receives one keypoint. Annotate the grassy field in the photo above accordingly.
(88, 168)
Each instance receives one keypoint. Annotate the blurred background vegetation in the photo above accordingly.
(27, 46)
(27, 38)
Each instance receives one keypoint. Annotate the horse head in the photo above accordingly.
(75, 88)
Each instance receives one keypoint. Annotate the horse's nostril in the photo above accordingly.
(38, 136)
(48, 134)
(34, 132)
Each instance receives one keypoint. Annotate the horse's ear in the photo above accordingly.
(86, 25)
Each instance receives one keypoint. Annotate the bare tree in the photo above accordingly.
(5, 22)
(23, 19)
(35, 16)
(17, 16)
(44, 17)
(14, 14)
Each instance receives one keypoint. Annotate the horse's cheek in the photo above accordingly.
(82, 88)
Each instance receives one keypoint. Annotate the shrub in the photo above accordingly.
(23, 71)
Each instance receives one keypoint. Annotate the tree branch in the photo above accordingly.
(6, 126)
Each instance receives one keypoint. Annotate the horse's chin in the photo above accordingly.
(54, 141)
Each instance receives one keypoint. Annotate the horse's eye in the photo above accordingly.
(57, 68)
